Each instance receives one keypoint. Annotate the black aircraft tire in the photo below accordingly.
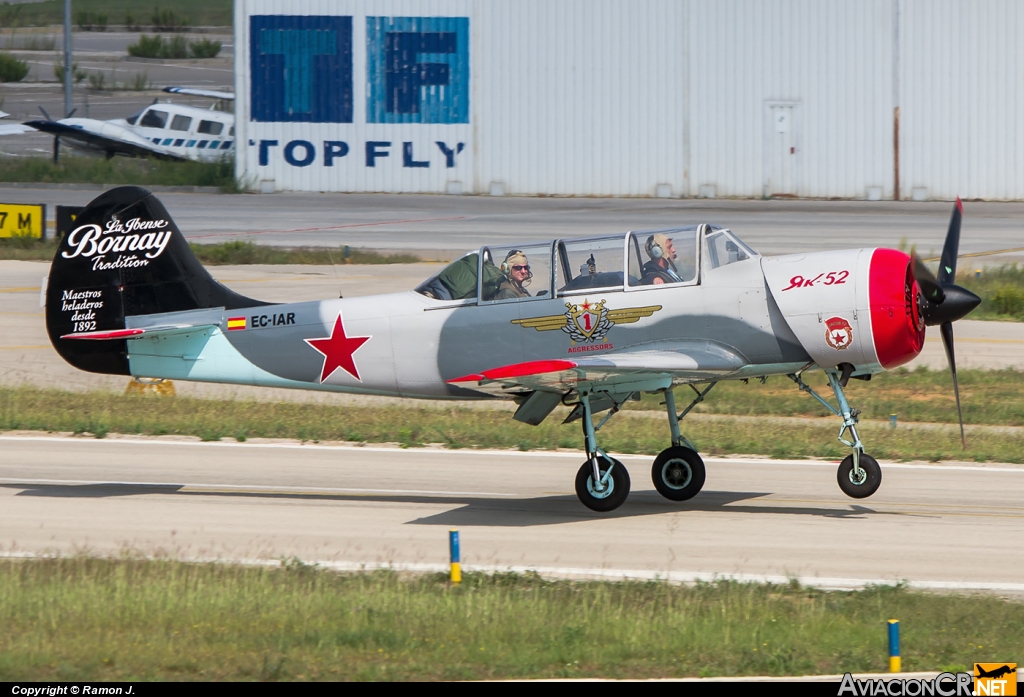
(612, 499)
(872, 479)
(678, 473)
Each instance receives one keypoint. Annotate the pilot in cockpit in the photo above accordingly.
(516, 269)
(661, 268)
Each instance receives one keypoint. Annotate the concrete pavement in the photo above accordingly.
(344, 506)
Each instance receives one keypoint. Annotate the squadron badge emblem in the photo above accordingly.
(838, 333)
(588, 323)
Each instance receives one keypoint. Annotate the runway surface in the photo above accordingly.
(942, 526)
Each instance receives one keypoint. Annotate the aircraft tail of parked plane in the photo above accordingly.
(518, 322)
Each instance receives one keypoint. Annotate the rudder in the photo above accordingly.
(125, 257)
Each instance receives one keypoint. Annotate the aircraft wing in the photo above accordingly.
(12, 128)
(200, 93)
(104, 136)
(680, 361)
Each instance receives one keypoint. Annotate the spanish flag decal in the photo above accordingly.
(236, 323)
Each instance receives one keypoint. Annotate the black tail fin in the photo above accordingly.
(125, 257)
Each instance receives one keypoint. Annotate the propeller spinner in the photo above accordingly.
(942, 302)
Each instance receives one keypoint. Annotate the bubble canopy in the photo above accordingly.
(676, 256)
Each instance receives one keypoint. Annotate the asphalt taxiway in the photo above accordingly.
(944, 526)
(441, 226)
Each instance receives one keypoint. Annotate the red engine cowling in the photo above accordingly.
(897, 325)
(857, 306)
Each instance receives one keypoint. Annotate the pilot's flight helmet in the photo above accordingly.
(656, 245)
(516, 257)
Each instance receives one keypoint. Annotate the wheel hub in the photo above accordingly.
(603, 493)
(858, 476)
(676, 473)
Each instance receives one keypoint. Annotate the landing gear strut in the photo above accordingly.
(602, 483)
(859, 475)
(678, 472)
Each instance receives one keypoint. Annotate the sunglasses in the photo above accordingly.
(518, 267)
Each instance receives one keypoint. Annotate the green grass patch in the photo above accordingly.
(12, 69)
(96, 619)
(100, 413)
(120, 171)
(240, 252)
(227, 253)
(987, 396)
(27, 249)
(1001, 290)
(97, 13)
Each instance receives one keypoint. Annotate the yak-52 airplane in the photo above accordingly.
(161, 130)
(588, 323)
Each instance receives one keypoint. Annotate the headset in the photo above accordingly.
(506, 268)
(654, 250)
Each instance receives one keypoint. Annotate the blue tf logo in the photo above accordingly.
(301, 68)
(417, 69)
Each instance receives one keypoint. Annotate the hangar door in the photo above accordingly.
(781, 151)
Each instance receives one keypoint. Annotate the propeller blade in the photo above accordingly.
(947, 266)
(947, 342)
(930, 287)
(45, 114)
(71, 113)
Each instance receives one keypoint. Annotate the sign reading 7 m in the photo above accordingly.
(21, 220)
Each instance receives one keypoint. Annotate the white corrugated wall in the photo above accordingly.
(684, 98)
(962, 93)
(580, 96)
(830, 61)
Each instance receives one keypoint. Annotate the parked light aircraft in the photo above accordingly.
(161, 130)
(589, 323)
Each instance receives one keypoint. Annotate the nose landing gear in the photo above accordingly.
(859, 475)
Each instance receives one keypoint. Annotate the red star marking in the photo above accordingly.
(338, 349)
(585, 305)
(839, 338)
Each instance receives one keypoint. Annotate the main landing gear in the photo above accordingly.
(859, 475)
(602, 483)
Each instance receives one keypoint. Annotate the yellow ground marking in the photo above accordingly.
(262, 280)
(981, 254)
(978, 340)
(22, 348)
(34, 289)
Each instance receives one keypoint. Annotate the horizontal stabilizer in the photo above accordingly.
(163, 330)
(214, 94)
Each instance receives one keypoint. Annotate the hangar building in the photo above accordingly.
(865, 99)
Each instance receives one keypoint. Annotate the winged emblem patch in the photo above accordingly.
(587, 322)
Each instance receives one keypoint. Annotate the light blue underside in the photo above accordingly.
(205, 355)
